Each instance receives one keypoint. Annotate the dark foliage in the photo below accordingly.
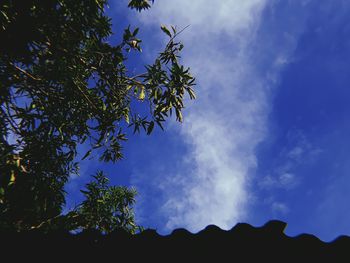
(63, 84)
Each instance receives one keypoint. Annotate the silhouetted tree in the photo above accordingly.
(63, 84)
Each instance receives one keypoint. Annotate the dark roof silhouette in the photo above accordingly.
(243, 242)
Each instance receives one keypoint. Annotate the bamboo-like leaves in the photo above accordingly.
(78, 90)
(165, 30)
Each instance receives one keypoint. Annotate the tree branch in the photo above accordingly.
(25, 72)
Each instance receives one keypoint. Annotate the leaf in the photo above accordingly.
(142, 94)
(127, 119)
(12, 178)
(191, 93)
(143, 123)
(2, 193)
(4, 15)
(150, 128)
(121, 136)
(61, 133)
(99, 3)
(84, 139)
(179, 115)
(86, 155)
(84, 192)
(165, 30)
(160, 125)
(135, 31)
(136, 127)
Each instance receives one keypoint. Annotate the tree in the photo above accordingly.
(105, 207)
(63, 84)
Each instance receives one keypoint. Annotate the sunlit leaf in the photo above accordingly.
(165, 30)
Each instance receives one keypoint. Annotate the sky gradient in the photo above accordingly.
(267, 137)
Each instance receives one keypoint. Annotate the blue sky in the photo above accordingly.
(267, 137)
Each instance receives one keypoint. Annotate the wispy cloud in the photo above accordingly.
(286, 173)
(298, 152)
(279, 208)
(228, 120)
(285, 180)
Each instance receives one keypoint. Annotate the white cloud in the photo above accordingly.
(301, 150)
(284, 174)
(285, 181)
(279, 208)
(296, 153)
(228, 120)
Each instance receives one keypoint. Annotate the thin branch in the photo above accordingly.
(138, 83)
(178, 33)
(12, 122)
(139, 76)
(86, 97)
(25, 72)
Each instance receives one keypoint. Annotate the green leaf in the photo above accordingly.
(127, 119)
(12, 178)
(99, 3)
(191, 93)
(142, 94)
(135, 31)
(165, 30)
(179, 115)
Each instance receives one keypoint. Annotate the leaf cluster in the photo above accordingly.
(140, 5)
(105, 207)
(62, 84)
